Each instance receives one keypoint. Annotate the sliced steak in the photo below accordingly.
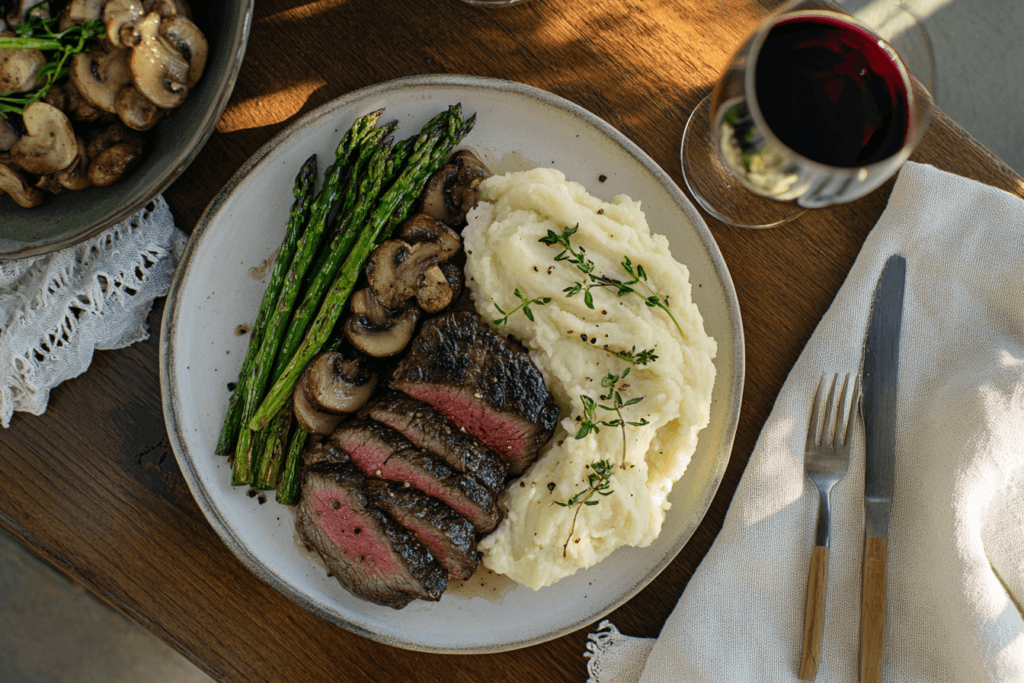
(428, 428)
(448, 536)
(482, 382)
(380, 451)
(368, 552)
(324, 452)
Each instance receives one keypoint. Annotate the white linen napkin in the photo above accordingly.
(56, 309)
(956, 545)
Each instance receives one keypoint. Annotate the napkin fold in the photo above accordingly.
(956, 545)
(56, 309)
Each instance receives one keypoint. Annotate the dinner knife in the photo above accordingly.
(878, 408)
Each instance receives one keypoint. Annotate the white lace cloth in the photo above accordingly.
(956, 544)
(56, 309)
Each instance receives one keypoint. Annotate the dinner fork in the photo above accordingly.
(826, 459)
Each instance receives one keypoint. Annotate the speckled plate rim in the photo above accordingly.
(181, 161)
(171, 400)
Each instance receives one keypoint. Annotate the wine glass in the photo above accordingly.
(821, 105)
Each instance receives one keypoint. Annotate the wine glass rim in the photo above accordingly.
(916, 126)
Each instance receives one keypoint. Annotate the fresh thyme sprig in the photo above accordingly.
(524, 306)
(578, 257)
(592, 424)
(37, 33)
(598, 483)
(642, 357)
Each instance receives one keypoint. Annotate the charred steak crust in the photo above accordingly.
(380, 451)
(428, 428)
(449, 536)
(369, 553)
(482, 382)
(324, 452)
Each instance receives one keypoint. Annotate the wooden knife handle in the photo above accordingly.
(814, 614)
(872, 609)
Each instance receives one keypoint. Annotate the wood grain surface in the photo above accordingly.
(92, 487)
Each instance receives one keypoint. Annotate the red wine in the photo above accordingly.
(828, 91)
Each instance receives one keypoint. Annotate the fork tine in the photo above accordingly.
(812, 430)
(829, 429)
(854, 405)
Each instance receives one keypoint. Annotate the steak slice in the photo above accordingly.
(324, 452)
(483, 383)
(380, 451)
(448, 536)
(428, 428)
(368, 552)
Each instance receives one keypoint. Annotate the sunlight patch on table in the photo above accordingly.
(269, 108)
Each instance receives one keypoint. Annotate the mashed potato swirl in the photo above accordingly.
(573, 345)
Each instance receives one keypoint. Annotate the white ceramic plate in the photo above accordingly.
(214, 292)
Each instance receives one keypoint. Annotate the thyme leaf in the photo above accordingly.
(577, 256)
(37, 33)
(590, 422)
(524, 305)
(598, 483)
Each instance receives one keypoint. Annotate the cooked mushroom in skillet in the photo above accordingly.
(335, 385)
(49, 141)
(159, 71)
(135, 111)
(14, 184)
(100, 75)
(113, 152)
(76, 176)
(19, 69)
(455, 188)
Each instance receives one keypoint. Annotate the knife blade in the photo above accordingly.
(879, 382)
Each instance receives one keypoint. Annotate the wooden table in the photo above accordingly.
(92, 488)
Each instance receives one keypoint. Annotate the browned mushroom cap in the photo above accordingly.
(14, 184)
(48, 183)
(49, 142)
(100, 75)
(335, 385)
(159, 71)
(99, 140)
(455, 188)
(120, 18)
(114, 162)
(80, 11)
(382, 340)
(22, 8)
(19, 69)
(395, 270)
(8, 136)
(311, 419)
(456, 279)
(434, 293)
(167, 8)
(135, 111)
(76, 106)
(424, 228)
(76, 176)
(190, 43)
(366, 304)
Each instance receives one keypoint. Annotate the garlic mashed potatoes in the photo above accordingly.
(573, 346)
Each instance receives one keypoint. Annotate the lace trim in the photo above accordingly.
(599, 644)
(56, 309)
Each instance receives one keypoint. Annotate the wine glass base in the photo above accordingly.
(716, 190)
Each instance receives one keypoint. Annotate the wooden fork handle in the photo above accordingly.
(872, 609)
(814, 613)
